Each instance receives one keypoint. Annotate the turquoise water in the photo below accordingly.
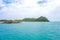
(30, 31)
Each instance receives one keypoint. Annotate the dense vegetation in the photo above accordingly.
(10, 21)
(29, 19)
(40, 19)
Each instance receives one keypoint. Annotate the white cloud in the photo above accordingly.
(30, 8)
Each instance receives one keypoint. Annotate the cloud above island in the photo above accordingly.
(19, 9)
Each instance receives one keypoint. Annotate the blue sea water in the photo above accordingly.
(30, 31)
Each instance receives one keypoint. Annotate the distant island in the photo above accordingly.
(40, 19)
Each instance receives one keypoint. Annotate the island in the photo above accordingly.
(39, 19)
(10, 21)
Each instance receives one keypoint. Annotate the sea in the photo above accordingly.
(30, 31)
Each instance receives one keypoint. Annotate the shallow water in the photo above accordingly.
(30, 31)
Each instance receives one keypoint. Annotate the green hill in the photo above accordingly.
(42, 19)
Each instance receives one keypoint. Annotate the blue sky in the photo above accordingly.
(19, 9)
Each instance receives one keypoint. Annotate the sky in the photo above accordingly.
(19, 9)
